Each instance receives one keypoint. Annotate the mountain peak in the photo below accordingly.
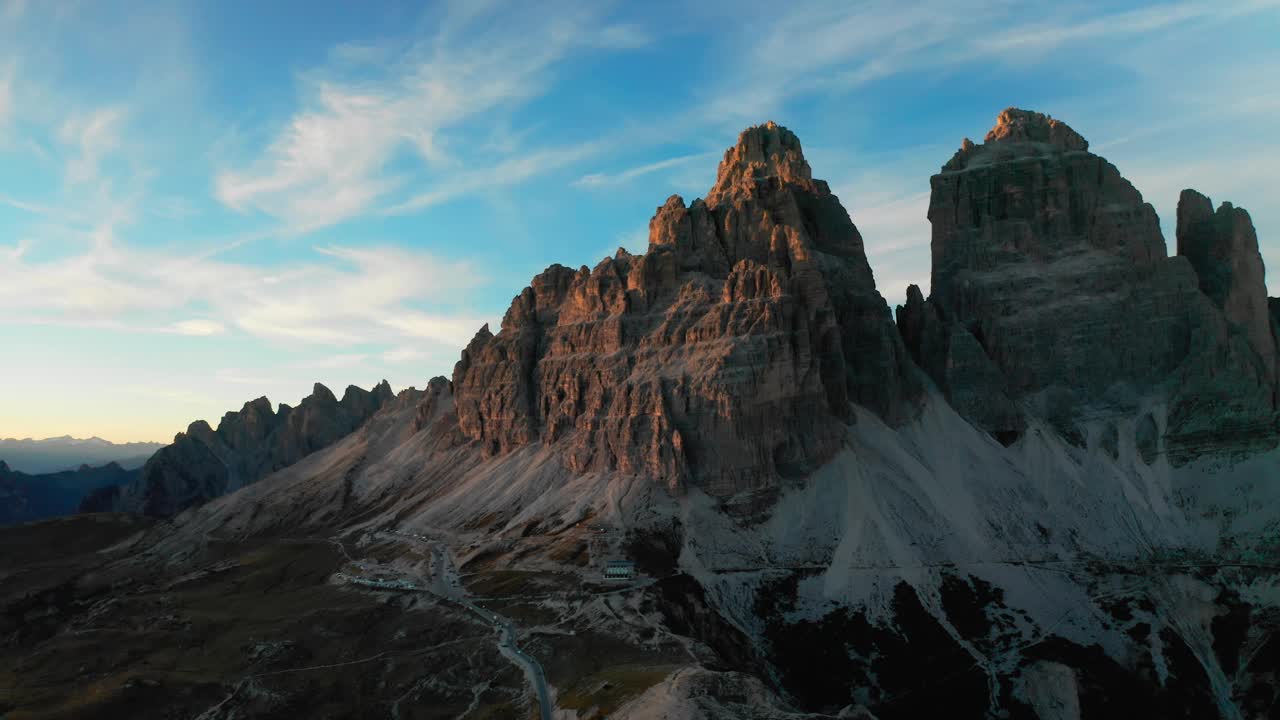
(762, 151)
(1018, 133)
(321, 393)
(1018, 125)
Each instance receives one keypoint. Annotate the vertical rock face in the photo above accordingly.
(203, 463)
(1052, 293)
(726, 356)
(1223, 249)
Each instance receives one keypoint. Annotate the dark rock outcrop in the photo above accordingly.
(951, 355)
(1052, 294)
(1223, 248)
(203, 463)
(435, 402)
(726, 356)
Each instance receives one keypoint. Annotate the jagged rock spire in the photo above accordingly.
(726, 356)
(762, 151)
(1223, 248)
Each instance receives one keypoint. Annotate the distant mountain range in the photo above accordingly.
(25, 496)
(57, 454)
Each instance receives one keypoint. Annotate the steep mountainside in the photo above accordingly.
(726, 357)
(1052, 295)
(203, 463)
(1048, 492)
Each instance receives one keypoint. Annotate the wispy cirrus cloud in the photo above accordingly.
(90, 137)
(830, 48)
(197, 327)
(343, 296)
(332, 160)
(510, 171)
(6, 93)
(597, 180)
(1053, 32)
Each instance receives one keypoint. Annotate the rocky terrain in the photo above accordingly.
(1047, 491)
(727, 357)
(1052, 294)
(203, 463)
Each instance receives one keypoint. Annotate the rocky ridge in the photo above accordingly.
(725, 357)
(204, 463)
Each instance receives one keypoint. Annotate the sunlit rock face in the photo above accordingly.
(726, 356)
(1052, 293)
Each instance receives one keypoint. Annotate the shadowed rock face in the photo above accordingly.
(726, 356)
(1052, 294)
(203, 463)
(1223, 249)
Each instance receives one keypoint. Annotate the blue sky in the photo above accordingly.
(202, 203)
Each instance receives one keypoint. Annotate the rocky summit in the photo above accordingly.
(718, 480)
(1052, 294)
(726, 357)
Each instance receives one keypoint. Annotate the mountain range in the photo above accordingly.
(1049, 489)
(25, 497)
(203, 463)
(67, 453)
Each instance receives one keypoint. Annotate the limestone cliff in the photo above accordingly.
(725, 356)
(1052, 293)
(1223, 248)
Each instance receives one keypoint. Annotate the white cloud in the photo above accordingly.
(824, 48)
(891, 222)
(452, 330)
(512, 171)
(1048, 35)
(597, 180)
(197, 328)
(624, 36)
(331, 161)
(91, 137)
(345, 296)
(6, 93)
(14, 253)
(799, 50)
(891, 215)
(404, 355)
